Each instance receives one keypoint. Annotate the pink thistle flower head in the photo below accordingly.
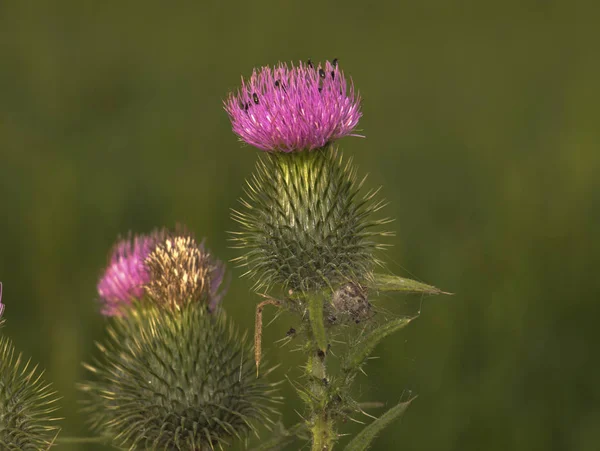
(124, 279)
(294, 108)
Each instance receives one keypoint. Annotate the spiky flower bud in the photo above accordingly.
(183, 271)
(304, 224)
(177, 379)
(27, 404)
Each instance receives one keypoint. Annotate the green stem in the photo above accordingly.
(322, 432)
(321, 426)
(321, 423)
(315, 315)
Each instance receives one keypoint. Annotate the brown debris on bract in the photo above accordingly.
(258, 329)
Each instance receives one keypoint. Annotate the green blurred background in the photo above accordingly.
(482, 126)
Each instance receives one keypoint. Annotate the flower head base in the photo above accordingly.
(305, 225)
(124, 279)
(176, 379)
(183, 271)
(294, 108)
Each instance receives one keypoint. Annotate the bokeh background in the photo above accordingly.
(482, 126)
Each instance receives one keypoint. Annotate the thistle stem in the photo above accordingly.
(321, 424)
(322, 434)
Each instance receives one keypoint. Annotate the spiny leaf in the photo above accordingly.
(386, 282)
(282, 437)
(363, 440)
(302, 393)
(361, 350)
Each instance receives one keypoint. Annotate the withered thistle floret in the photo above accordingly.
(27, 404)
(304, 224)
(183, 271)
(175, 379)
(349, 303)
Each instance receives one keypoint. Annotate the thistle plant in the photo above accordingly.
(310, 235)
(174, 373)
(27, 402)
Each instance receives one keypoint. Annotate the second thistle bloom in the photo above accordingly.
(294, 108)
(171, 268)
(124, 279)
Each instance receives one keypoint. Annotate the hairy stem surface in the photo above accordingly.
(321, 421)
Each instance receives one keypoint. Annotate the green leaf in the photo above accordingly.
(302, 393)
(283, 437)
(363, 440)
(386, 282)
(361, 350)
(315, 314)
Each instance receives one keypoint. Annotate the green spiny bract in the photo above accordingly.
(178, 379)
(303, 223)
(26, 404)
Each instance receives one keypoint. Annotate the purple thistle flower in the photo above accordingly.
(298, 108)
(124, 279)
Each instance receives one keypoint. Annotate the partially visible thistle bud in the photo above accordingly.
(27, 402)
(124, 279)
(176, 379)
(305, 225)
(1, 306)
(350, 303)
(182, 271)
